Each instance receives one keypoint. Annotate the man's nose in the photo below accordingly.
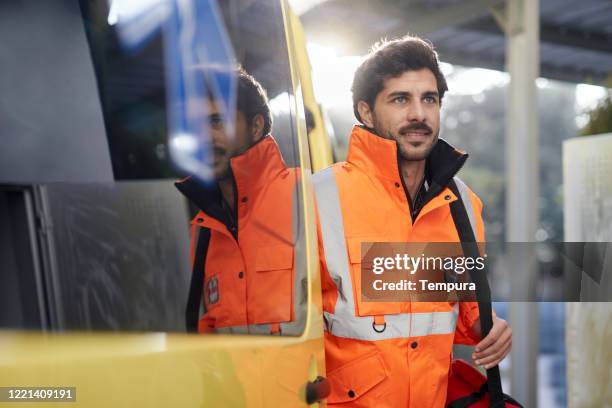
(217, 136)
(416, 112)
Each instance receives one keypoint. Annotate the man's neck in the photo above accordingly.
(227, 191)
(412, 173)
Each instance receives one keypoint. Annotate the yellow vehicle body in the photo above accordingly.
(189, 370)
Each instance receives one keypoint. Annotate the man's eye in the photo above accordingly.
(215, 120)
(429, 99)
(400, 99)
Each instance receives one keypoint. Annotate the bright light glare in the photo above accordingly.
(587, 99)
(280, 104)
(589, 96)
(446, 68)
(184, 143)
(332, 75)
(542, 83)
(299, 7)
(128, 9)
(473, 81)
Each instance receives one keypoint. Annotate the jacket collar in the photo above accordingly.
(261, 163)
(379, 156)
(253, 168)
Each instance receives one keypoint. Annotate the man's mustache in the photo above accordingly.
(415, 126)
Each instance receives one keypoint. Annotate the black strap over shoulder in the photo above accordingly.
(196, 287)
(483, 292)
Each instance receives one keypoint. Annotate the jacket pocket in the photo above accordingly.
(271, 293)
(353, 380)
(274, 257)
(369, 308)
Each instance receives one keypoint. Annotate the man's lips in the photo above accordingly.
(416, 132)
(416, 135)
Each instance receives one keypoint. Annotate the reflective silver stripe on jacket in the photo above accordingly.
(464, 191)
(334, 245)
(344, 322)
(397, 325)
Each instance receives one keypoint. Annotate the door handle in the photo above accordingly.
(317, 390)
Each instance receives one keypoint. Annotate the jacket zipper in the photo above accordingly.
(410, 205)
(231, 215)
(414, 212)
(235, 220)
(432, 196)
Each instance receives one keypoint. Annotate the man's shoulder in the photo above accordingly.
(464, 187)
(340, 170)
(325, 174)
(294, 172)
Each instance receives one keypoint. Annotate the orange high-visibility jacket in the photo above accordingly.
(250, 283)
(363, 200)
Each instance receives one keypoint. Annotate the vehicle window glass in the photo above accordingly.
(118, 251)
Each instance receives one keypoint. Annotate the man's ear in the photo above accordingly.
(257, 127)
(367, 117)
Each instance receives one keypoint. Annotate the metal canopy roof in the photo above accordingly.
(575, 36)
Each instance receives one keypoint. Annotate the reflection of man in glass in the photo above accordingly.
(242, 237)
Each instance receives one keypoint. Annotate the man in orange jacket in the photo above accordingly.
(243, 236)
(395, 186)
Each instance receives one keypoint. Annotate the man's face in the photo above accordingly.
(407, 110)
(223, 147)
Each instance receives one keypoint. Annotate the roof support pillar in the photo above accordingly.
(522, 188)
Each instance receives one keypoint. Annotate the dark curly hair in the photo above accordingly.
(252, 100)
(390, 59)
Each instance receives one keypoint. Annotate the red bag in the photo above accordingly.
(468, 387)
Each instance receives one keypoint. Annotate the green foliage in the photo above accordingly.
(600, 119)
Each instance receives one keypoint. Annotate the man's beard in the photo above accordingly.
(407, 153)
(224, 172)
(221, 163)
